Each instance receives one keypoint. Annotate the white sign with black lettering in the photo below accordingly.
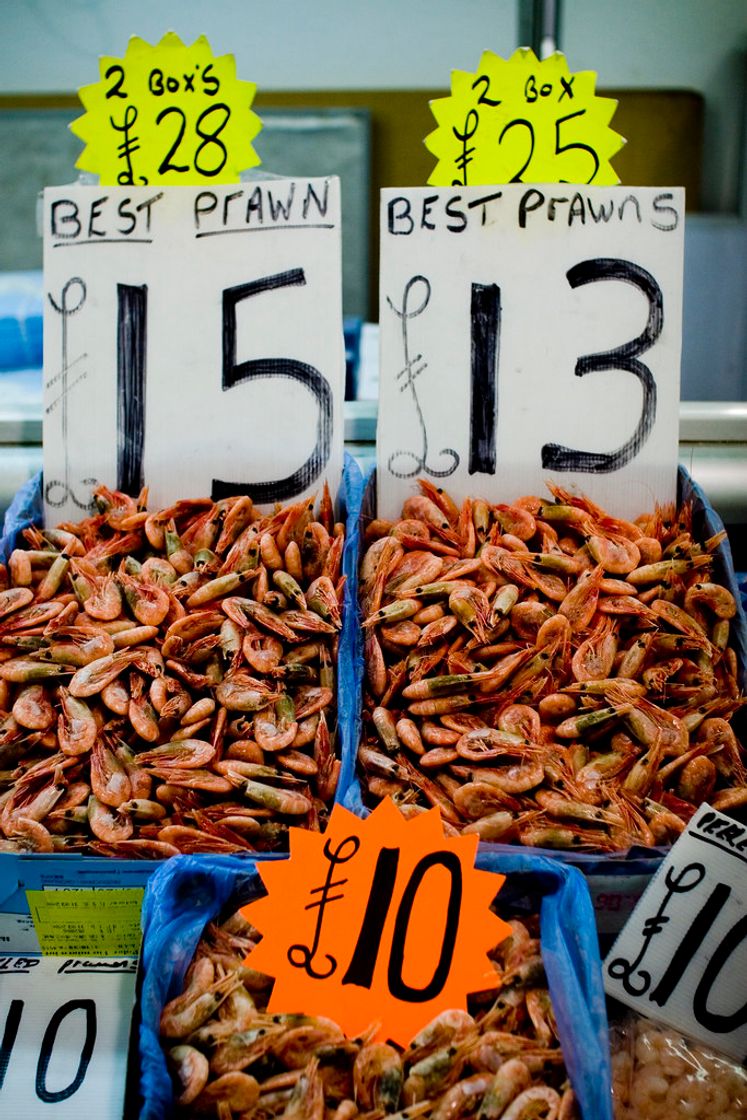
(682, 956)
(531, 334)
(64, 1033)
(192, 341)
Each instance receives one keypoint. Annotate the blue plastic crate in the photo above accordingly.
(188, 892)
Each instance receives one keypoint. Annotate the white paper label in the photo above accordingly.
(65, 1028)
(682, 956)
(491, 300)
(192, 341)
(17, 934)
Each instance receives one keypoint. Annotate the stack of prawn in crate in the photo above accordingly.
(536, 1045)
(209, 1047)
(169, 680)
(555, 678)
(548, 674)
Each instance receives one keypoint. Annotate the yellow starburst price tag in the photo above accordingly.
(167, 114)
(523, 121)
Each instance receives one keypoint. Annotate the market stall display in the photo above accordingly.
(194, 685)
(170, 677)
(549, 674)
(513, 1051)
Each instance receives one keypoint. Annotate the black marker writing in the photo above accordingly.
(65, 308)
(235, 372)
(413, 367)
(12, 1023)
(485, 319)
(465, 156)
(88, 1007)
(625, 357)
(128, 147)
(302, 956)
(624, 970)
(132, 318)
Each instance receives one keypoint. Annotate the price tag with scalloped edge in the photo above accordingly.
(167, 114)
(378, 921)
(522, 120)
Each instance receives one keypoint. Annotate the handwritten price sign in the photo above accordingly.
(531, 334)
(682, 956)
(64, 1024)
(167, 114)
(408, 932)
(523, 121)
(176, 337)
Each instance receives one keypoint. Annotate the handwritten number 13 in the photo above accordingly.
(625, 357)
(486, 348)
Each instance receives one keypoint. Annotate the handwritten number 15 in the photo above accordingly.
(131, 380)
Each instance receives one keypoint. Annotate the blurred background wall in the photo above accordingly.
(677, 67)
(697, 45)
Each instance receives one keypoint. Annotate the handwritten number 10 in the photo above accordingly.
(688, 946)
(12, 1023)
(366, 952)
(485, 345)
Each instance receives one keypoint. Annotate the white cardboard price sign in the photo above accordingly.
(681, 957)
(192, 341)
(531, 334)
(64, 1030)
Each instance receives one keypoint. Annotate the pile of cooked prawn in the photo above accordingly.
(167, 678)
(547, 674)
(499, 1060)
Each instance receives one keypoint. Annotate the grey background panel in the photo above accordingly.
(328, 142)
(37, 150)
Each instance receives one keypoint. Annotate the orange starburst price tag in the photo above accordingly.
(379, 921)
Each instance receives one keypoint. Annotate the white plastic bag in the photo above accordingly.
(658, 1074)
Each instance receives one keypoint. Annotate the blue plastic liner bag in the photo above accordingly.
(190, 891)
(350, 654)
(574, 973)
(27, 508)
